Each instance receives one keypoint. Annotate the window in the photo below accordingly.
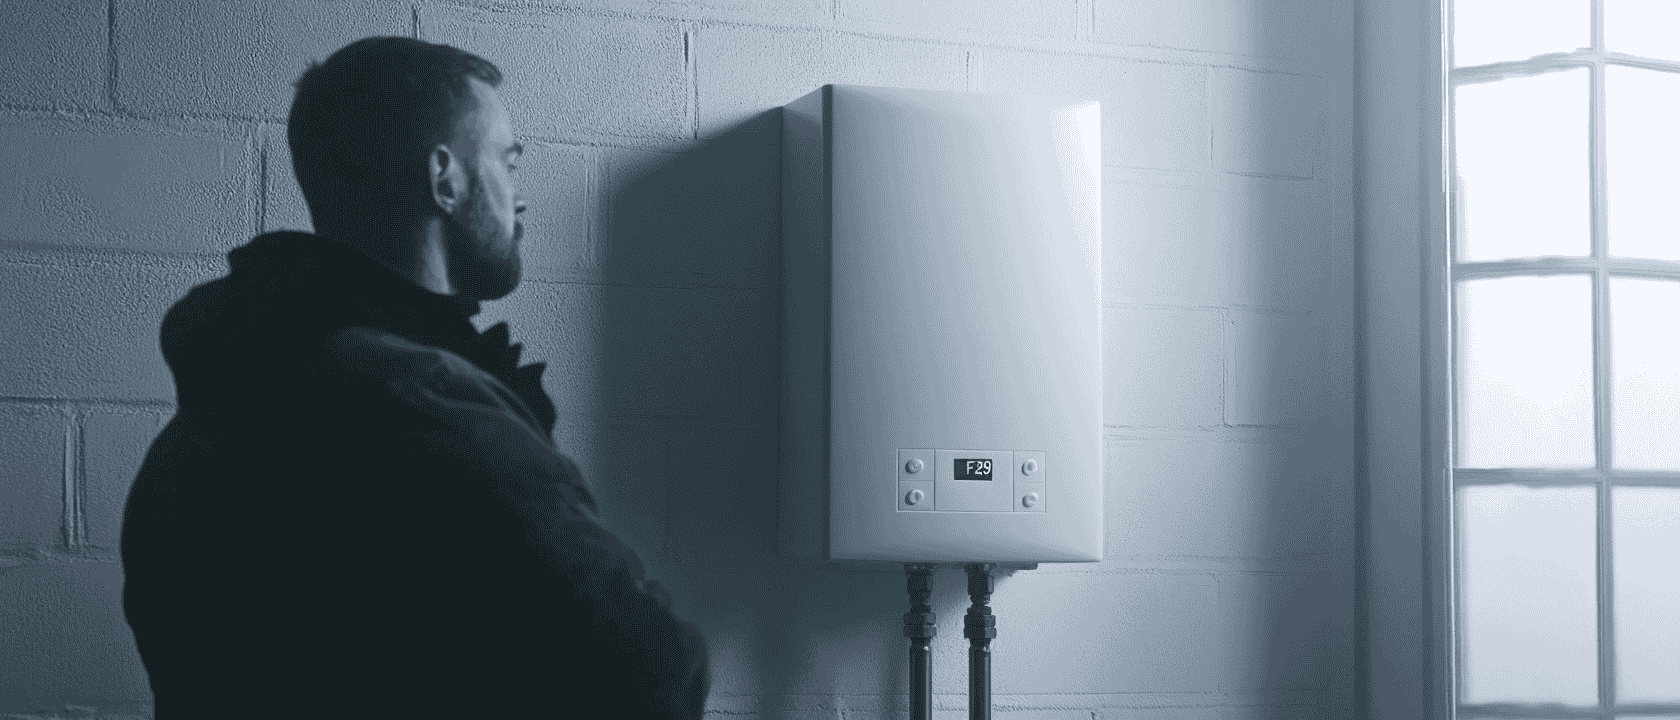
(1565, 188)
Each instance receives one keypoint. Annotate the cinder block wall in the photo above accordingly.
(140, 140)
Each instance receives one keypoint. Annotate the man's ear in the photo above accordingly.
(446, 178)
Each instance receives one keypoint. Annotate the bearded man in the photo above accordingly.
(357, 509)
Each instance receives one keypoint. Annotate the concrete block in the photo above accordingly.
(664, 352)
(558, 183)
(879, 711)
(898, 707)
(1202, 498)
(1297, 29)
(1279, 366)
(113, 446)
(1215, 712)
(63, 638)
(1218, 711)
(722, 488)
(246, 54)
(91, 331)
(784, 12)
(744, 73)
(1268, 28)
(795, 12)
(709, 214)
(32, 440)
(834, 633)
(698, 353)
(1163, 245)
(1164, 367)
(1181, 24)
(1266, 123)
(1277, 631)
(118, 184)
(56, 53)
(1276, 234)
(1154, 115)
(1008, 714)
(1059, 633)
(993, 18)
(572, 75)
(283, 205)
(1107, 712)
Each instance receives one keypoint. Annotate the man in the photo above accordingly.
(358, 509)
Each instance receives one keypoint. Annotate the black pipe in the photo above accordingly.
(919, 627)
(979, 626)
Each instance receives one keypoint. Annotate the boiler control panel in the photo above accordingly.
(933, 480)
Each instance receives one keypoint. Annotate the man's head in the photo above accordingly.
(390, 133)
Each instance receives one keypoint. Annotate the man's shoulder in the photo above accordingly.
(381, 355)
(429, 379)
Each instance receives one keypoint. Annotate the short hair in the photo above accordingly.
(367, 117)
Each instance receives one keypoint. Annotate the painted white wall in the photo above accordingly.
(142, 140)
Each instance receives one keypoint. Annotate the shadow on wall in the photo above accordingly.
(689, 378)
(1287, 629)
(690, 343)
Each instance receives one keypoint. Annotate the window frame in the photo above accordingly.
(1600, 268)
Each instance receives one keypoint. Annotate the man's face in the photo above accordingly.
(482, 235)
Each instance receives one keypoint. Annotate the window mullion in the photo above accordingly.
(1602, 366)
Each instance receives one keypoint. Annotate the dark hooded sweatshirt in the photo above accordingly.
(357, 511)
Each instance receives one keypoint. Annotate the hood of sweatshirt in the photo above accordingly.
(242, 340)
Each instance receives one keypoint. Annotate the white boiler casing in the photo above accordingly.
(942, 390)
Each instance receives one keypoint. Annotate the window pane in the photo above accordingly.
(1521, 167)
(1642, 170)
(1643, 27)
(1525, 372)
(1528, 594)
(1486, 31)
(1644, 374)
(1646, 523)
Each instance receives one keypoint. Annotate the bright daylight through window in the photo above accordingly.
(1565, 157)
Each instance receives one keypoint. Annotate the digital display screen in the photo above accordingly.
(971, 469)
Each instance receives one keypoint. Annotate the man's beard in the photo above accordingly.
(484, 263)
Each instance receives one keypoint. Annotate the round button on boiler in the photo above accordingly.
(1030, 466)
(1029, 499)
(913, 497)
(914, 466)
